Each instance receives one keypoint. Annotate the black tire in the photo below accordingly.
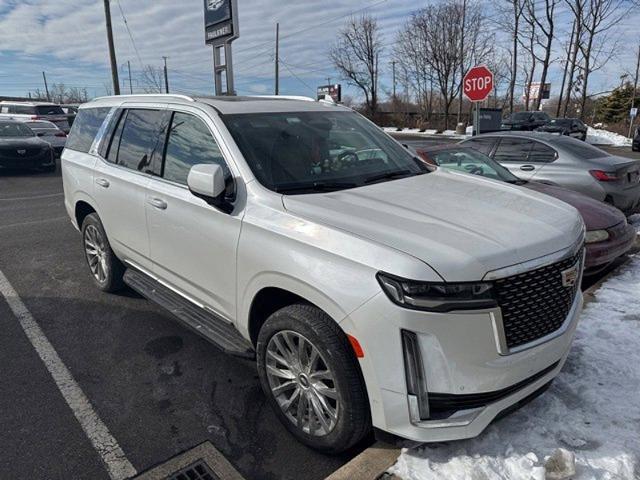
(353, 419)
(112, 280)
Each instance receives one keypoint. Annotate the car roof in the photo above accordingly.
(28, 104)
(548, 137)
(226, 104)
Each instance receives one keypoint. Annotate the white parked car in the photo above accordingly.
(22, 111)
(48, 132)
(371, 290)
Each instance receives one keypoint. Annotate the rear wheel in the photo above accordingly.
(311, 378)
(106, 270)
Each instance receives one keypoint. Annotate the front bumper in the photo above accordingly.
(38, 161)
(601, 254)
(460, 356)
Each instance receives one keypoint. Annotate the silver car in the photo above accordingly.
(567, 162)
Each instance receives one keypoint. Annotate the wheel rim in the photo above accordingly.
(95, 250)
(302, 383)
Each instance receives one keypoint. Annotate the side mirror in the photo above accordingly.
(206, 181)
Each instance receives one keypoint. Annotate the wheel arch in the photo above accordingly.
(81, 209)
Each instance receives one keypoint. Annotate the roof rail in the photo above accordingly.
(284, 97)
(163, 95)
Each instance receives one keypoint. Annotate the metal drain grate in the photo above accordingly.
(196, 471)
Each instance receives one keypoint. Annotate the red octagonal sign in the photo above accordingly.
(478, 83)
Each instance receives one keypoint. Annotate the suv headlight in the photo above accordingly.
(437, 296)
(595, 236)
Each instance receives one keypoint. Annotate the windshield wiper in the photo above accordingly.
(391, 175)
(315, 187)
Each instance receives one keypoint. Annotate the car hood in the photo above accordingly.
(21, 142)
(460, 225)
(596, 215)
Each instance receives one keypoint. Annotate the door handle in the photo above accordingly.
(103, 182)
(158, 203)
(527, 168)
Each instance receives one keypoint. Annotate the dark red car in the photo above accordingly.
(608, 233)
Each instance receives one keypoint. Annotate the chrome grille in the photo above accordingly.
(535, 303)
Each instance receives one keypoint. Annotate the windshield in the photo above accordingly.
(560, 122)
(15, 130)
(471, 161)
(304, 152)
(520, 116)
(579, 149)
(49, 110)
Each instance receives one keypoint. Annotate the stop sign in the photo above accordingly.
(477, 83)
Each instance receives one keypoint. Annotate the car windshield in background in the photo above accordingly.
(15, 130)
(560, 122)
(305, 152)
(49, 110)
(579, 149)
(519, 116)
(471, 161)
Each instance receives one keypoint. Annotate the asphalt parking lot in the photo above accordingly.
(157, 387)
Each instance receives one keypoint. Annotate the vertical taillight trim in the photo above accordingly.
(415, 377)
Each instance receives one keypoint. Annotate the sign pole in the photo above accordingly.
(477, 118)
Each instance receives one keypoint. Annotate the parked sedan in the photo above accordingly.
(608, 233)
(566, 162)
(21, 148)
(50, 133)
(525, 121)
(571, 127)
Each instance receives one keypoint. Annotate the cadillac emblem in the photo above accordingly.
(570, 275)
(21, 151)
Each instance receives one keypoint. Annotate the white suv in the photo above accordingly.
(372, 290)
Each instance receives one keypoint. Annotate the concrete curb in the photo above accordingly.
(369, 465)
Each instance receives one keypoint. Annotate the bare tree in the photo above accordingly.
(152, 79)
(597, 47)
(545, 24)
(511, 22)
(356, 54)
(428, 49)
(577, 8)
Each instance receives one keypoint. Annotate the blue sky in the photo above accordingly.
(67, 39)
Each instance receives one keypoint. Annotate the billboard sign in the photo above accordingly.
(633, 113)
(220, 21)
(334, 91)
(534, 91)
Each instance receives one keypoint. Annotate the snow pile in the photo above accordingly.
(588, 421)
(428, 132)
(605, 137)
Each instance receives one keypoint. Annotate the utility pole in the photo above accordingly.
(166, 76)
(633, 95)
(46, 87)
(462, 32)
(112, 52)
(130, 83)
(277, 73)
(393, 67)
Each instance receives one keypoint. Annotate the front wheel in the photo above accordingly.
(312, 380)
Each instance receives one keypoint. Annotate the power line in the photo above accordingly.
(133, 43)
(296, 76)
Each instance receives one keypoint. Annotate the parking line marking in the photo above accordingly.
(34, 197)
(35, 222)
(117, 464)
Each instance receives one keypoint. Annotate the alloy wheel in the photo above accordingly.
(95, 250)
(302, 383)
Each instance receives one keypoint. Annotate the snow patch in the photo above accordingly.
(604, 137)
(591, 411)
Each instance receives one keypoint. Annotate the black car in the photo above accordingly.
(572, 127)
(635, 145)
(21, 148)
(525, 121)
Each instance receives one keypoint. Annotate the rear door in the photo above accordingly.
(132, 154)
(513, 153)
(193, 244)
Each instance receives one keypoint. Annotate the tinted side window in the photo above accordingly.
(483, 145)
(140, 141)
(513, 150)
(189, 143)
(541, 153)
(84, 129)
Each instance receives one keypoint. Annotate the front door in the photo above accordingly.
(193, 244)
